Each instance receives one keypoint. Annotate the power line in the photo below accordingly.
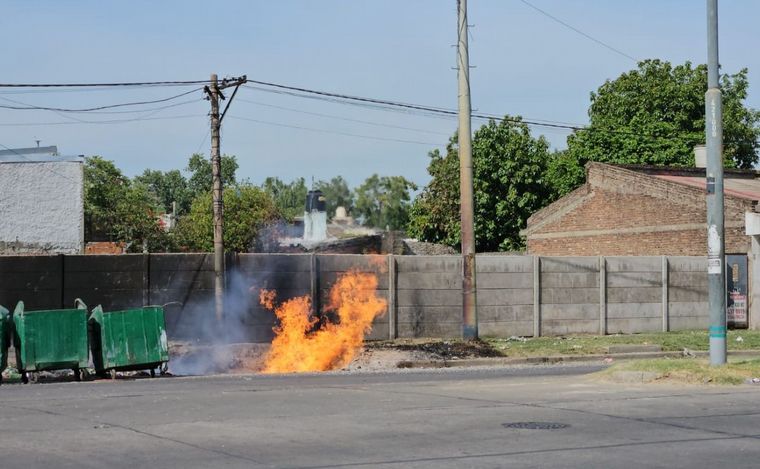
(98, 108)
(108, 121)
(346, 134)
(131, 111)
(89, 85)
(347, 119)
(573, 28)
(443, 112)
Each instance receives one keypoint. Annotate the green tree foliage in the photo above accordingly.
(655, 115)
(247, 209)
(509, 179)
(119, 209)
(170, 186)
(384, 201)
(337, 194)
(201, 181)
(289, 198)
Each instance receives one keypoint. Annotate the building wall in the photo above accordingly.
(624, 213)
(41, 207)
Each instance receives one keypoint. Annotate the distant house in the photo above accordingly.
(625, 210)
(41, 202)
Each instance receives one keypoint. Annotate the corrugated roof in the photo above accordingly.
(744, 188)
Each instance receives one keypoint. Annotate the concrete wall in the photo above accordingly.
(41, 207)
(517, 295)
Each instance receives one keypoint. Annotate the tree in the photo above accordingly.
(247, 209)
(384, 201)
(170, 186)
(290, 198)
(656, 115)
(201, 180)
(337, 194)
(119, 209)
(509, 179)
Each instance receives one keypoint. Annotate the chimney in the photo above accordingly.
(700, 156)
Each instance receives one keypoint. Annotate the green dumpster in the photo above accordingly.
(53, 339)
(5, 337)
(129, 340)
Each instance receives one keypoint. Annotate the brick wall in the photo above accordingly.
(628, 213)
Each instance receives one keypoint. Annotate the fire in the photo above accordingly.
(297, 348)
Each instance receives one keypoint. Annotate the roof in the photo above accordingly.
(50, 151)
(34, 155)
(741, 183)
(742, 188)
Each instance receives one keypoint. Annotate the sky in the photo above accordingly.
(524, 63)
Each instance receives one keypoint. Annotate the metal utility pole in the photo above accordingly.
(716, 273)
(469, 290)
(214, 93)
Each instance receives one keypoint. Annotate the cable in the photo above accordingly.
(132, 111)
(110, 106)
(417, 108)
(87, 85)
(310, 129)
(573, 28)
(109, 121)
(412, 108)
(331, 116)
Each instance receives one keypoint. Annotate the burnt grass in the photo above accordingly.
(443, 349)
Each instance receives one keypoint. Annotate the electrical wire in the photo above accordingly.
(347, 119)
(450, 113)
(108, 121)
(93, 85)
(346, 134)
(98, 108)
(573, 28)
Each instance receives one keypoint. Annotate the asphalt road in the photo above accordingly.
(443, 418)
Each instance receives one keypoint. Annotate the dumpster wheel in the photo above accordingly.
(112, 373)
(33, 377)
(163, 369)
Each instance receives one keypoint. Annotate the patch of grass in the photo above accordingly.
(589, 345)
(691, 371)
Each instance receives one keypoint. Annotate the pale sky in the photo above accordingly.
(525, 64)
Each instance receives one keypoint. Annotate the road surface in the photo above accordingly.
(432, 419)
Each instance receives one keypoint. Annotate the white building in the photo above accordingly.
(41, 202)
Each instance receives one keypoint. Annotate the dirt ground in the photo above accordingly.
(195, 359)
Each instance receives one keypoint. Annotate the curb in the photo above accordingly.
(554, 359)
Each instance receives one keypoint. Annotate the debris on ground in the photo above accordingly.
(442, 349)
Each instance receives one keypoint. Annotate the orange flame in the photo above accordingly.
(296, 348)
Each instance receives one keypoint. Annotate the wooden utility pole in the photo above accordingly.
(469, 291)
(214, 93)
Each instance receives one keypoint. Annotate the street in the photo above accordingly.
(440, 418)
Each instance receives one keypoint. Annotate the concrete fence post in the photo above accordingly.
(146, 279)
(602, 295)
(61, 281)
(392, 310)
(665, 295)
(314, 284)
(536, 296)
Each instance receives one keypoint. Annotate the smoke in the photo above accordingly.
(213, 346)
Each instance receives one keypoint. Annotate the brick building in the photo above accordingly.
(625, 210)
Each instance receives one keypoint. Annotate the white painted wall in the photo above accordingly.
(42, 207)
